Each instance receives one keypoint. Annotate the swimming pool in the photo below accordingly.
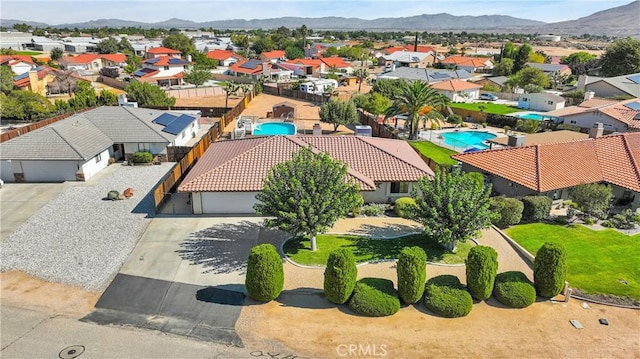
(274, 129)
(465, 139)
(535, 116)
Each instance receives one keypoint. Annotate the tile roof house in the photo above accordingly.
(616, 116)
(336, 63)
(273, 56)
(421, 48)
(625, 85)
(312, 67)
(80, 146)
(405, 58)
(165, 71)
(19, 64)
(429, 76)
(458, 90)
(228, 176)
(550, 69)
(552, 168)
(471, 64)
(161, 51)
(224, 57)
(45, 80)
(93, 62)
(256, 68)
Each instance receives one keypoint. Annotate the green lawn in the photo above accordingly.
(30, 53)
(439, 155)
(597, 260)
(488, 107)
(367, 249)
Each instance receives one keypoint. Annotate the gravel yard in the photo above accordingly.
(80, 239)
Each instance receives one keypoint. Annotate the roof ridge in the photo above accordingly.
(53, 128)
(538, 171)
(130, 110)
(635, 164)
(385, 151)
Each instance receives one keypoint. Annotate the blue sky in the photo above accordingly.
(58, 12)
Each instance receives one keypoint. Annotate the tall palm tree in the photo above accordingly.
(416, 99)
(361, 75)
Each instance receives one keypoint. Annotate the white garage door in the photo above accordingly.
(49, 171)
(228, 202)
(6, 171)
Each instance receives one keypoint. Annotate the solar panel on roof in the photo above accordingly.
(251, 64)
(439, 75)
(179, 124)
(175, 61)
(634, 78)
(153, 60)
(633, 105)
(165, 119)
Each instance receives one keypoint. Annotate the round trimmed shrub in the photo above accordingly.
(446, 296)
(482, 266)
(412, 274)
(374, 297)
(550, 269)
(405, 207)
(508, 211)
(536, 208)
(514, 290)
(340, 276)
(265, 273)
(142, 157)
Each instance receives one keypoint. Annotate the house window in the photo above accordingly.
(166, 68)
(183, 133)
(572, 121)
(399, 187)
(99, 158)
(549, 102)
(144, 147)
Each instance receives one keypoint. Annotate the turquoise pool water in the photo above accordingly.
(274, 129)
(465, 139)
(535, 116)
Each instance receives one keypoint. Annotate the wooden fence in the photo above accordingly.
(36, 125)
(196, 92)
(377, 129)
(304, 96)
(113, 82)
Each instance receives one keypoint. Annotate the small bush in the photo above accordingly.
(514, 290)
(265, 273)
(484, 125)
(455, 119)
(142, 157)
(357, 209)
(536, 208)
(626, 219)
(562, 220)
(550, 269)
(374, 209)
(508, 211)
(412, 274)
(481, 269)
(607, 224)
(434, 126)
(405, 207)
(340, 276)
(446, 296)
(374, 297)
(589, 221)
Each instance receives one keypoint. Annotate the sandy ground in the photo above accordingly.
(208, 101)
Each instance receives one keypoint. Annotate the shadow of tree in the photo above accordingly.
(224, 248)
(385, 230)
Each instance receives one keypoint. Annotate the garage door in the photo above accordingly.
(49, 171)
(228, 202)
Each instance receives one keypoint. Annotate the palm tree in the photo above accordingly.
(361, 75)
(528, 126)
(417, 99)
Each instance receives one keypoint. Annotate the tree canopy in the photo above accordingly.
(453, 206)
(503, 68)
(56, 53)
(148, 95)
(622, 57)
(294, 52)
(180, 42)
(197, 75)
(529, 76)
(25, 106)
(6, 79)
(361, 75)
(592, 198)
(107, 46)
(339, 113)
(522, 57)
(307, 194)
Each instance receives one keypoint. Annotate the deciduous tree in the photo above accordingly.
(107, 46)
(6, 79)
(180, 42)
(622, 57)
(56, 54)
(197, 76)
(307, 194)
(592, 198)
(25, 106)
(148, 95)
(339, 113)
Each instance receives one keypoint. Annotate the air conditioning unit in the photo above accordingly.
(364, 131)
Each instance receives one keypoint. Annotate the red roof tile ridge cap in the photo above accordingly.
(365, 139)
(636, 166)
(538, 171)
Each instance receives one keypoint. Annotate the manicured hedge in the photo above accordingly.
(536, 208)
(550, 269)
(405, 207)
(481, 269)
(142, 157)
(514, 290)
(374, 297)
(446, 296)
(265, 273)
(508, 211)
(501, 120)
(340, 276)
(412, 274)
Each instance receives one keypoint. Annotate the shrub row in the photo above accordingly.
(446, 296)
(481, 269)
(501, 120)
(374, 297)
(514, 290)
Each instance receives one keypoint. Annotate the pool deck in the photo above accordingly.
(435, 135)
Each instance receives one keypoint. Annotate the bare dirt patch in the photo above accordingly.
(208, 101)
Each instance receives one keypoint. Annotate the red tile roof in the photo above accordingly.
(13, 59)
(237, 67)
(545, 167)
(334, 61)
(275, 54)
(315, 63)
(79, 59)
(466, 61)
(455, 85)
(421, 48)
(222, 55)
(241, 165)
(114, 57)
(162, 50)
(166, 61)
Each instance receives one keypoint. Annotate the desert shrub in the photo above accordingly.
(550, 269)
(142, 157)
(607, 224)
(501, 120)
(508, 211)
(374, 209)
(481, 269)
(589, 221)
(626, 219)
(446, 296)
(357, 208)
(405, 207)
(514, 290)
(412, 274)
(455, 119)
(374, 297)
(536, 208)
(340, 276)
(265, 273)
(563, 220)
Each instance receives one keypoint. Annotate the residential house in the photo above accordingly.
(255, 69)
(409, 48)
(80, 146)
(551, 69)
(140, 46)
(90, 64)
(407, 59)
(551, 169)
(337, 64)
(519, 140)
(310, 67)
(224, 57)
(498, 81)
(541, 101)
(46, 80)
(19, 64)
(317, 50)
(616, 116)
(164, 71)
(219, 183)
(471, 64)
(625, 85)
(273, 56)
(429, 76)
(162, 52)
(114, 60)
(458, 90)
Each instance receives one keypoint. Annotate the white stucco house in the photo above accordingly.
(541, 102)
(78, 147)
(19, 64)
(458, 90)
(615, 116)
(230, 174)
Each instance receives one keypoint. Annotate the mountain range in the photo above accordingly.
(618, 21)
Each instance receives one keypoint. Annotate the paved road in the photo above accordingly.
(30, 334)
